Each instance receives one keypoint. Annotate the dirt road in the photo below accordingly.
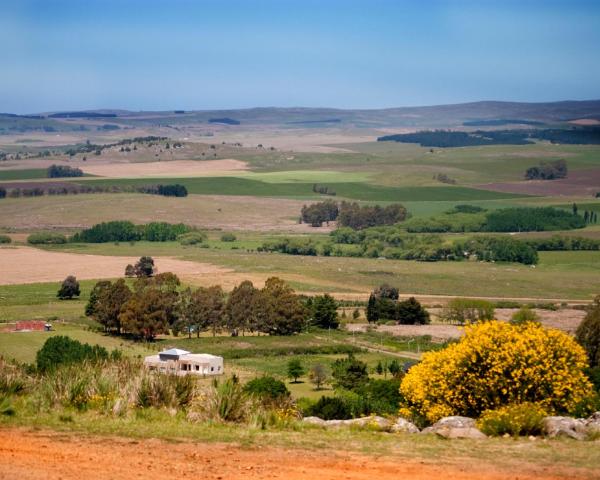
(26, 455)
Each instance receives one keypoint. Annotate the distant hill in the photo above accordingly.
(476, 114)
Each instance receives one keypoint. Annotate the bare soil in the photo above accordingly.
(173, 168)
(578, 183)
(31, 265)
(26, 455)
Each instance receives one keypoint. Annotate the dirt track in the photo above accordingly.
(25, 455)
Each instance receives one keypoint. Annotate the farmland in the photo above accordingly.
(256, 193)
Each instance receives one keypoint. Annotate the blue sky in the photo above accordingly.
(176, 54)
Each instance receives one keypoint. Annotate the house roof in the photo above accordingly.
(174, 352)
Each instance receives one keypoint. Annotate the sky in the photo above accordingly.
(220, 54)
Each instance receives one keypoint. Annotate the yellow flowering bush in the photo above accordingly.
(497, 364)
(515, 420)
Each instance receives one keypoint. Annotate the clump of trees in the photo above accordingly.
(157, 305)
(323, 311)
(58, 171)
(46, 239)
(547, 171)
(358, 217)
(532, 219)
(125, 231)
(318, 213)
(384, 304)
(175, 190)
(323, 189)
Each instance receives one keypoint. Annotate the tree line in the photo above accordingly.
(58, 171)
(156, 304)
(126, 231)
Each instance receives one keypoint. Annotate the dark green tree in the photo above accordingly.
(295, 369)
(411, 312)
(90, 307)
(69, 288)
(324, 312)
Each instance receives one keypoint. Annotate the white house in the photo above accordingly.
(181, 362)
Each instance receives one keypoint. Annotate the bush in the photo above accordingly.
(46, 239)
(467, 310)
(228, 237)
(5, 239)
(515, 420)
(268, 389)
(349, 373)
(523, 315)
(2, 192)
(329, 408)
(192, 238)
(497, 364)
(62, 350)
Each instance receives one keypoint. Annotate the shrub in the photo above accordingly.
(2, 192)
(497, 364)
(191, 238)
(61, 350)
(228, 237)
(226, 401)
(515, 420)
(5, 239)
(160, 390)
(523, 315)
(467, 310)
(267, 389)
(46, 239)
(330, 408)
(349, 373)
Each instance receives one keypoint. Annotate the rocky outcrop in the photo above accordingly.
(455, 427)
(565, 427)
(375, 422)
(593, 424)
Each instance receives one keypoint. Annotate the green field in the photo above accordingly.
(27, 174)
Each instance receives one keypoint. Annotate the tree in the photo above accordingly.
(574, 209)
(146, 314)
(295, 369)
(394, 368)
(211, 308)
(318, 376)
(411, 312)
(372, 313)
(356, 314)
(130, 270)
(90, 307)
(144, 267)
(283, 312)
(349, 373)
(69, 288)
(109, 302)
(238, 310)
(588, 333)
(324, 312)
(379, 368)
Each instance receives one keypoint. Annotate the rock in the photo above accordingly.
(455, 427)
(593, 424)
(456, 432)
(564, 427)
(314, 421)
(403, 426)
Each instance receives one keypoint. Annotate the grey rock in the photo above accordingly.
(455, 427)
(564, 427)
(593, 424)
(403, 426)
(314, 421)
(457, 432)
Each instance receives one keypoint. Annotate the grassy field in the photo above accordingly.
(26, 174)
(559, 275)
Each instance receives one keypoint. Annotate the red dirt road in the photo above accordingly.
(26, 455)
